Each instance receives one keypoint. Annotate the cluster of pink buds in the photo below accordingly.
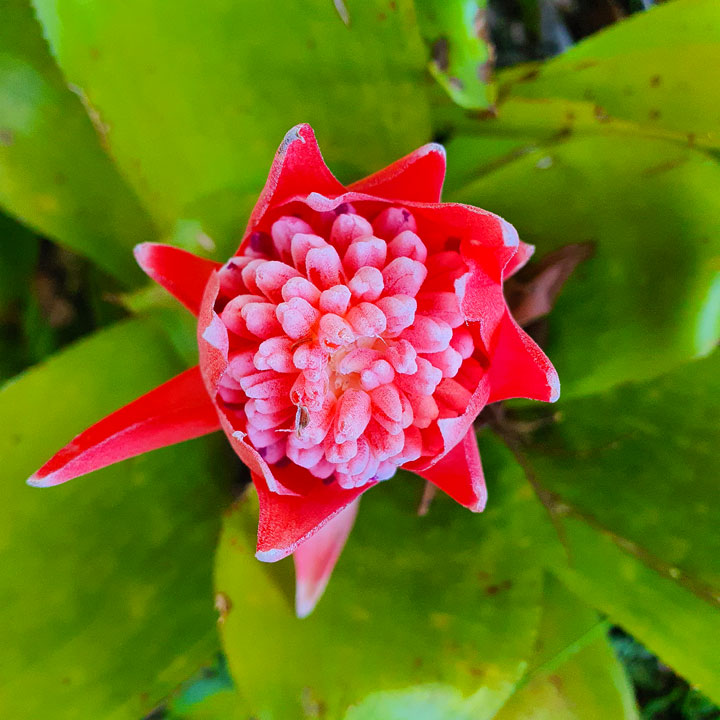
(347, 342)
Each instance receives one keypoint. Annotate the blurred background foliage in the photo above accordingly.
(590, 588)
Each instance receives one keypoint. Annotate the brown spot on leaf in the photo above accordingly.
(664, 167)
(500, 587)
(655, 81)
(456, 84)
(7, 137)
(601, 114)
(223, 604)
(585, 64)
(312, 705)
(441, 54)
(654, 114)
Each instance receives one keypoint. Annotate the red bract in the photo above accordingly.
(355, 331)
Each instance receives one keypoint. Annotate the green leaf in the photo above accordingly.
(105, 582)
(663, 614)
(433, 614)
(649, 299)
(461, 54)
(631, 476)
(196, 97)
(575, 675)
(54, 174)
(651, 68)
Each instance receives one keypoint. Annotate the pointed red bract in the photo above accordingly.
(181, 273)
(315, 559)
(417, 177)
(287, 520)
(178, 410)
(297, 169)
(518, 367)
(460, 474)
(519, 260)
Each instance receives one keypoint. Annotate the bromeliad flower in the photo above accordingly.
(356, 330)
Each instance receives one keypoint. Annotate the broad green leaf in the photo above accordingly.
(171, 318)
(649, 299)
(434, 613)
(632, 477)
(575, 675)
(653, 68)
(461, 54)
(666, 616)
(105, 582)
(196, 97)
(54, 174)
(522, 125)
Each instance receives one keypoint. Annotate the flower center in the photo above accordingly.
(347, 343)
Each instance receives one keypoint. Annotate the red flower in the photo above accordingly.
(356, 330)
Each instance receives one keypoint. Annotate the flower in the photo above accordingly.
(355, 331)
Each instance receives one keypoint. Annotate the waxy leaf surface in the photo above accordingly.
(653, 69)
(631, 479)
(649, 298)
(438, 612)
(574, 674)
(54, 173)
(195, 97)
(105, 582)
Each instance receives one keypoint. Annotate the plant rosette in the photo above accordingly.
(357, 330)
